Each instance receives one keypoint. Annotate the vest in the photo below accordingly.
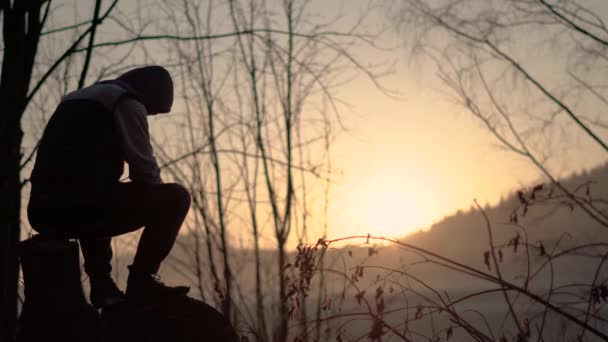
(80, 150)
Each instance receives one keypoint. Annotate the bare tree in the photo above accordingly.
(284, 71)
(533, 104)
(251, 122)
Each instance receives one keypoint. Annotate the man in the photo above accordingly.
(76, 191)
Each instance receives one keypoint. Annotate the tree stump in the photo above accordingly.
(55, 308)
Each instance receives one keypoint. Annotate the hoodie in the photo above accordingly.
(83, 138)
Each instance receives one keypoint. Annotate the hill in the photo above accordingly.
(550, 219)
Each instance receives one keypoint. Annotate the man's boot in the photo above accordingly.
(104, 291)
(145, 287)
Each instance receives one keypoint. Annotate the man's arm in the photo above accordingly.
(131, 123)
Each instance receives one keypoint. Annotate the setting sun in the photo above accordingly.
(390, 210)
(390, 204)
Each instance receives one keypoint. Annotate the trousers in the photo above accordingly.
(97, 216)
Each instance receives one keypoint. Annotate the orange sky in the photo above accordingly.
(408, 163)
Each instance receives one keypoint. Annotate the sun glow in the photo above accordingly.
(390, 205)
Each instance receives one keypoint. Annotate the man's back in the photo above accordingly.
(79, 149)
(89, 137)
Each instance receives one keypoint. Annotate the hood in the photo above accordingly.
(152, 86)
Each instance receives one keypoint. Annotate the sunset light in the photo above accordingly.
(392, 206)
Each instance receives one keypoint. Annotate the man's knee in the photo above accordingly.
(180, 196)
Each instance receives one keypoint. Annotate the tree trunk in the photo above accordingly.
(21, 30)
(283, 310)
(10, 197)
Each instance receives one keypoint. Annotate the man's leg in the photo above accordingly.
(167, 206)
(161, 208)
(123, 208)
(97, 253)
(67, 218)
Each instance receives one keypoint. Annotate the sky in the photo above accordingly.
(407, 163)
(404, 163)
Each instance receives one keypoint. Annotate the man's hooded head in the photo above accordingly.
(153, 87)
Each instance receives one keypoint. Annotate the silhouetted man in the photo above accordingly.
(76, 191)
